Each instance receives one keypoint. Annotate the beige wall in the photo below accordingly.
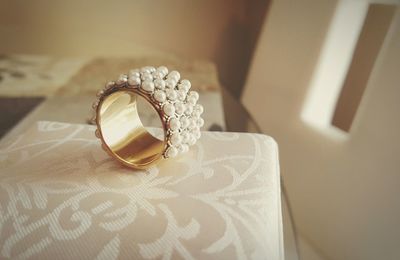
(221, 31)
(343, 188)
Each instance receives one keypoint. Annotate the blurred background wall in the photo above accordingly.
(224, 32)
(342, 176)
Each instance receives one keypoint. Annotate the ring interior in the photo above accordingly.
(124, 134)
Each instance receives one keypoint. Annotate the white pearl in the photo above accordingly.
(174, 75)
(184, 122)
(159, 83)
(200, 122)
(144, 70)
(192, 140)
(181, 95)
(109, 85)
(180, 148)
(160, 96)
(175, 139)
(174, 124)
(189, 109)
(180, 108)
(148, 86)
(184, 88)
(134, 81)
(134, 74)
(148, 69)
(170, 83)
(185, 137)
(196, 133)
(157, 75)
(183, 148)
(195, 114)
(171, 94)
(199, 108)
(95, 104)
(191, 100)
(194, 94)
(146, 76)
(186, 83)
(171, 152)
(169, 109)
(100, 93)
(122, 79)
(193, 123)
(163, 70)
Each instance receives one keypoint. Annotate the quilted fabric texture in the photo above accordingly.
(62, 197)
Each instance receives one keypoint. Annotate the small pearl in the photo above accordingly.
(175, 139)
(169, 109)
(146, 76)
(199, 108)
(191, 100)
(122, 79)
(157, 75)
(182, 148)
(192, 140)
(159, 83)
(181, 95)
(100, 93)
(109, 85)
(184, 122)
(170, 83)
(174, 124)
(163, 70)
(174, 75)
(95, 104)
(185, 137)
(171, 94)
(148, 86)
(148, 69)
(189, 109)
(184, 88)
(134, 81)
(194, 94)
(186, 83)
(196, 133)
(160, 96)
(171, 152)
(180, 108)
(133, 75)
(195, 114)
(200, 122)
(193, 123)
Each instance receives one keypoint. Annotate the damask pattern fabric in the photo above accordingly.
(62, 197)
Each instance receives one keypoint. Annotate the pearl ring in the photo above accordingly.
(119, 126)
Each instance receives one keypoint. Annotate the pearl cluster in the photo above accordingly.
(172, 95)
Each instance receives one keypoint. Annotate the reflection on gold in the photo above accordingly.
(123, 133)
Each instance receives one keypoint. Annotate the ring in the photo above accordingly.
(118, 122)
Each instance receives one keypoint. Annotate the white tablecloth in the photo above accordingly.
(62, 197)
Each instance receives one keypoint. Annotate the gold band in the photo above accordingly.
(123, 133)
(119, 126)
